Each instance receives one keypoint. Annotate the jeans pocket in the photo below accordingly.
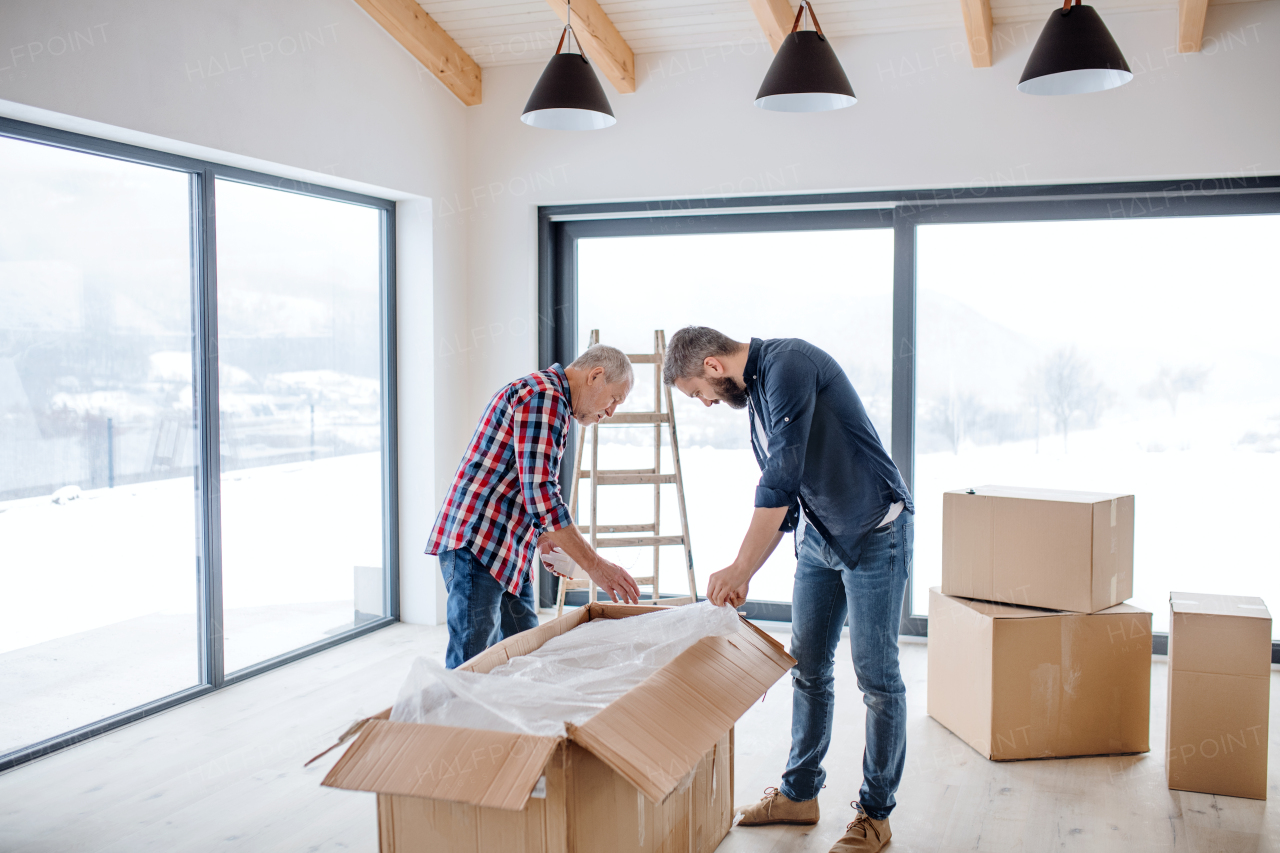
(446, 560)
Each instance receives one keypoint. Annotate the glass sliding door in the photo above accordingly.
(142, 565)
(1120, 355)
(300, 419)
(97, 440)
(832, 288)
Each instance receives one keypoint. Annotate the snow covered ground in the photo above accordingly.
(98, 611)
(1205, 508)
(98, 595)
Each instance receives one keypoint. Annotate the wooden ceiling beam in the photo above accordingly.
(409, 24)
(1191, 24)
(601, 42)
(977, 27)
(775, 17)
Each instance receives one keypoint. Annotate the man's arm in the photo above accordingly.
(538, 422)
(610, 577)
(730, 584)
(791, 391)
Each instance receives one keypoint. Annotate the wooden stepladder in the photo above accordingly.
(632, 477)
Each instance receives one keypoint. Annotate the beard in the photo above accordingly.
(728, 390)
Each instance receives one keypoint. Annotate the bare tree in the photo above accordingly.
(954, 416)
(1068, 389)
(1170, 384)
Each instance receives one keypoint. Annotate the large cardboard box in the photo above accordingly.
(613, 784)
(1219, 694)
(1016, 682)
(1038, 547)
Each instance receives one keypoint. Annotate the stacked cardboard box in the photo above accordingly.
(651, 772)
(1032, 652)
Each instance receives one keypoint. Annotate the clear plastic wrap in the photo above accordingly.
(567, 680)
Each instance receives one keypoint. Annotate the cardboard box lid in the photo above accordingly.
(1209, 604)
(483, 768)
(1033, 494)
(1013, 611)
(652, 736)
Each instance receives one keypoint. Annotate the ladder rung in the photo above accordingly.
(620, 528)
(575, 583)
(644, 358)
(634, 479)
(638, 541)
(676, 602)
(586, 473)
(644, 581)
(637, 418)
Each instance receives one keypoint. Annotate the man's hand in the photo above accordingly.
(614, 580)
(728, 585)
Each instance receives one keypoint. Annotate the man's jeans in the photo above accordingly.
(481, 611)
(871, 593)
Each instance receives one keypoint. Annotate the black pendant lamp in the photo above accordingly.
(1074, 54)
(805, 76)
(568, 96)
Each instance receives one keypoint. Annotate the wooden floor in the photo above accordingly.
(225, 773)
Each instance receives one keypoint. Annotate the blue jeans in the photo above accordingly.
(871, 594)
(481, 611)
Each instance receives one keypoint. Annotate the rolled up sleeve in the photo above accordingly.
(791, 392)
(539, 424)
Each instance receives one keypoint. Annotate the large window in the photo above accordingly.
(179, 509)
(97, 449)
(300, 421)
(1097, 337)
(1131, 355)
(836, 286)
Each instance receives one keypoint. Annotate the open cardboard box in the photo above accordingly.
(653, 771)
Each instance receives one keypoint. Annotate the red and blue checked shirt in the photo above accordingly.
(506, 492)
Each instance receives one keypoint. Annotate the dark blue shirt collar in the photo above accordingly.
(752, 368)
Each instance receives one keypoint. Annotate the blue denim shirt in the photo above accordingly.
(822, 451)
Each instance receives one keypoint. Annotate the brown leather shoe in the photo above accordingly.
(777, 807)
(864, 835)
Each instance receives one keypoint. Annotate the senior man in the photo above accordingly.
(505, 504)
(825, 475)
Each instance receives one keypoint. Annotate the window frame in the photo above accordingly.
(202, 175)
(561, 226)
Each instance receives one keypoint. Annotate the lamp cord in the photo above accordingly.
(568, 28)
(805, 4)
(1066, 5)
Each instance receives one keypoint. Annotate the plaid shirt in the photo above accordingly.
(506, 492)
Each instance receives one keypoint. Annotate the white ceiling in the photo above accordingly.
(510, 32)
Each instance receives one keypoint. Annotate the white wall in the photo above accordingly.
(925, 118)
(314, 90)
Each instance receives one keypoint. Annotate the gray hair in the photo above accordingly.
(617, 367)
(690, 347)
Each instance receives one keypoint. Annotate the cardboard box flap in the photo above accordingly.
(1035, 494)
(608, 610)
(658, 732)
(1209, 604)
(481, 768)
(533, 639)
(525, 642)
(996, 610)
